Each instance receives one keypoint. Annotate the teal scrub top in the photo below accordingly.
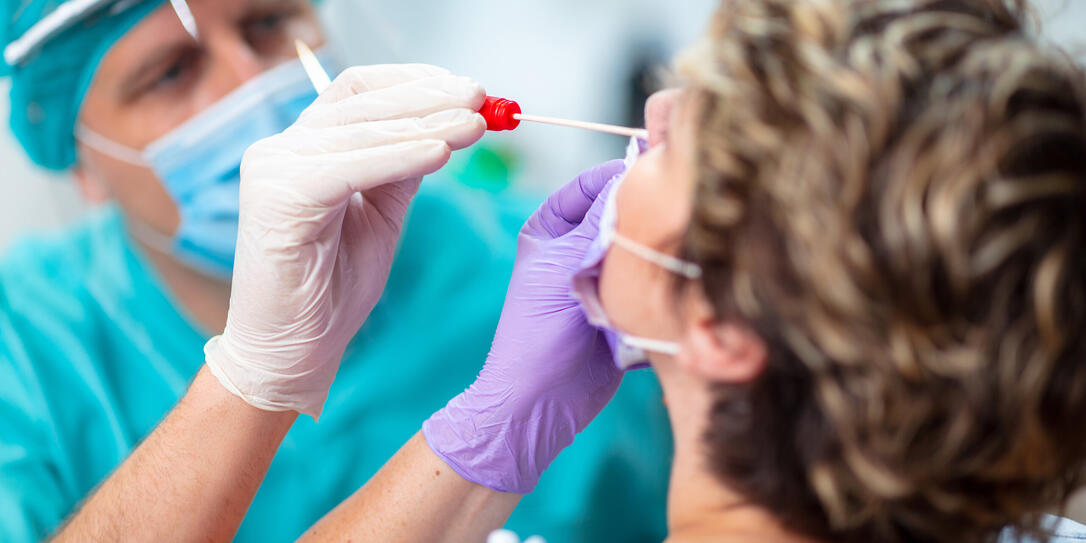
(94, 353)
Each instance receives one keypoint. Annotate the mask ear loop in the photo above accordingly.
(109, 147)
(680, 267)
(136, 228)
(677, 266)
(686, 269)
(150, 237)
(658, 346)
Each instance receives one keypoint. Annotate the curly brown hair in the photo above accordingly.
(892, 194)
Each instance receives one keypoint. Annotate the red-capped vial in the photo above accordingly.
(499, 114)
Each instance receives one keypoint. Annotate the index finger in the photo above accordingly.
(415, 98)
(359, 79)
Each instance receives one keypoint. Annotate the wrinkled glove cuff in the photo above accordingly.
(259, 387)
(502, 448)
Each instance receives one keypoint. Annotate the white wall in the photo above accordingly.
(564, 58)
(29, 199)
(560, 57)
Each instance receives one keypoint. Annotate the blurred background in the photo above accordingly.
(580, 60)
(594, 60)
(591, 60)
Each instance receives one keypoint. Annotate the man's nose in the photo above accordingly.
(658, 114)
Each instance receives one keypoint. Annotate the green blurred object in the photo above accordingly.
(487, 167)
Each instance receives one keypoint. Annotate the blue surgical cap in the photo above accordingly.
(47, 89)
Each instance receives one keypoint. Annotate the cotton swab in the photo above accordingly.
(501, 114)
(639, 133)
(312, 67)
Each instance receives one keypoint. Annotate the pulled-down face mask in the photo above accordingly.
(630, 351)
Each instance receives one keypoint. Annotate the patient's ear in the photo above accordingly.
(724, 352)
(94, 191)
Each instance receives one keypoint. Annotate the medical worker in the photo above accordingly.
(103, 325)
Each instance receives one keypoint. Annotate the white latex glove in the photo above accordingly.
(322, 206)
(507, 536)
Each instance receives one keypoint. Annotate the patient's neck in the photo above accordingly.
(700, 507)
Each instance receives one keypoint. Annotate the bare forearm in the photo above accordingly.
(416, 497)
(194, 477)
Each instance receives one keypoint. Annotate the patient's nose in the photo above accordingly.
(658, 114)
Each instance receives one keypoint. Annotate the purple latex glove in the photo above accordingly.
(549, 373)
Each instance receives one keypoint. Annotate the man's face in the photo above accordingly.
(157, 77)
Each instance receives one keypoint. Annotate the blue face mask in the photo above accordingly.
(199, 163)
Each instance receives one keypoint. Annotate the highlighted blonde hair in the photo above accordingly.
(893, 194)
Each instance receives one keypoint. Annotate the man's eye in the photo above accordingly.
(172, 75)
(178, 73)
(268, 22)
(265, 24)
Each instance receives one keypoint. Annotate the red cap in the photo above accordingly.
(499, 112)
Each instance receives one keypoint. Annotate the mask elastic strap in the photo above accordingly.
(669, 348)
(109, 147)
(686, 269)
(150, 237)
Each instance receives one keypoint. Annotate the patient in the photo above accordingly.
(886, 203)
(856, 256)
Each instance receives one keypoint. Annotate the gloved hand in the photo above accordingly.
(322, 206)
(548, 373)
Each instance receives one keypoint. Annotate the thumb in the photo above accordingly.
(566, 208)
(393, 199)
(590, 225)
